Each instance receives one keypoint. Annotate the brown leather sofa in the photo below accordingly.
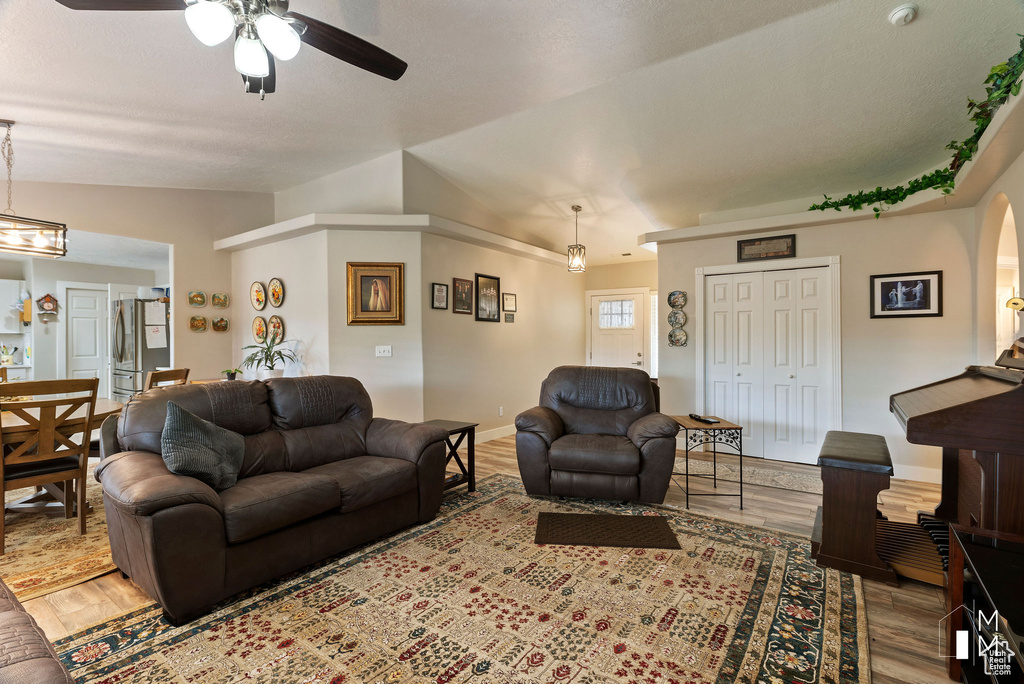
(26, 655)
(596, 434)
(320, 475)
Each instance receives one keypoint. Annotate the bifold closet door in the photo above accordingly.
(797, 363)
(734, 373)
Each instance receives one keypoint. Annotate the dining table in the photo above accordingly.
(15, 430)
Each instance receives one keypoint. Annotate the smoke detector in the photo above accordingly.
(904, 14)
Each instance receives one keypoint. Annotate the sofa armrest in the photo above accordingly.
(541, 421)
(398, 439)
(652, 426)
(139, 483)
(108, 438)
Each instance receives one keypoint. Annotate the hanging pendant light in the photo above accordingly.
(577, 252)
(24, 235)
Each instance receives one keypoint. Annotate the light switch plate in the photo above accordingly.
(383, 350)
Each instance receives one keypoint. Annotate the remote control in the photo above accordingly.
(709, 421)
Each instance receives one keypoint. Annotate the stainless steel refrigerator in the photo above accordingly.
(134, 350)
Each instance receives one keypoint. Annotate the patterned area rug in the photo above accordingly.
(470, 597)
(752, 474)
(44, 552)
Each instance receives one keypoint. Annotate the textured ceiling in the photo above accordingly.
(650, 113)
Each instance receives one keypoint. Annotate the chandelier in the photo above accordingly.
(577, 252)
(24, 235)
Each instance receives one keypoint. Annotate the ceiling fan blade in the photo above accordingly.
(349, 48)
(268, 84)
(123, 5)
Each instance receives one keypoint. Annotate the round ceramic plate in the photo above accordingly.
(676, 318)
(677, 299)
(258, 295)
(197, 324)
(676, 338)
(259, 329)
(219, 300)
(276, 328)
(275, 292)
(197, 298)
(220, 324)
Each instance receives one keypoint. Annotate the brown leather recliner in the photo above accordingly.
(596, 434)
(320, 475)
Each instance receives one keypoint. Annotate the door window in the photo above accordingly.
(615, 314)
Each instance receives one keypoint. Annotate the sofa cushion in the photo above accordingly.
(593, 399)
(239, 406)
(365, 480)
(264, 503)
(264, 453)
(197, 448)
(609, 454)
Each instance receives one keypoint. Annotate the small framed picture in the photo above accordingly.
(761, 249)
(463, 301)
(439, 296)
(488, 289)
(510, 318)
(906, 295)
(375, 294)
(508, 302)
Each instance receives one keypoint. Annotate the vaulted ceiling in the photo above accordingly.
(650, 113)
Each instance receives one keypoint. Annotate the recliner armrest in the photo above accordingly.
(542, 421)
(398, 439)
(108, 438)
(652, 426)
(139, 483)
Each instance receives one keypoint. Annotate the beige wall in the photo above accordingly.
(473, 367)
(301, 264)
(188, 220)
(615, 276)
(880, 356)
(374, 187)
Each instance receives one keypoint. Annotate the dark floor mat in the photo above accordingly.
(631, 531)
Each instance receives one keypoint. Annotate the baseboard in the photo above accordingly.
(496, 433)
(917, 473)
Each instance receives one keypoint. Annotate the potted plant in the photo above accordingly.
(265, 357)
(232, 373)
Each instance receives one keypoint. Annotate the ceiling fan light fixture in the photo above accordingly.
(278, 36)
(251, 57)
(211, 22)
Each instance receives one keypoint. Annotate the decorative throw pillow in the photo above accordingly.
(197, 448)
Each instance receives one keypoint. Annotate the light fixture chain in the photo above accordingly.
(8, 153)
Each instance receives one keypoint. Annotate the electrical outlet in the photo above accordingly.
(501, 410)
(383, 350)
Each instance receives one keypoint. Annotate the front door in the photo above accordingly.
(87, 354)
(617, 325)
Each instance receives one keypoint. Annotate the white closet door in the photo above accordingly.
(797, 368)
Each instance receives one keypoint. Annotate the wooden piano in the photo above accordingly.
(977, 418)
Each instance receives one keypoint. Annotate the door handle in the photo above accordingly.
(791, 376)
(738, 374)
(637, 363)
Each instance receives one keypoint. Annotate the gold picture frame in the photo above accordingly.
(376, 293)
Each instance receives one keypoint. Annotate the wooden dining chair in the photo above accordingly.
(175, 376)
(39, 433)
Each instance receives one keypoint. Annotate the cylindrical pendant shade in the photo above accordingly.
(577, 258)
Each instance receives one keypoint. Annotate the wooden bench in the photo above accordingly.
(855, 467)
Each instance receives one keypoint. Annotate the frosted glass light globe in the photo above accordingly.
(211, 22)
(278, 35)
(251, 58)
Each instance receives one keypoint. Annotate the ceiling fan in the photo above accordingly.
(259, 27)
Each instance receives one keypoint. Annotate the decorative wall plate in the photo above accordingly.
(197, 298)
(220, 324)
(676, 337)
(676, 318)
(258, 295)
(275, 328)
(259, 329)
(677, 299)
(275, 292)
(197, 324)
(220, 300)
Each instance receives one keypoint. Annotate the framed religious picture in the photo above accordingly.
(906, 295)
(488, 291)
(463, 300)
(508, 301)
(438, 296)
(375, 293)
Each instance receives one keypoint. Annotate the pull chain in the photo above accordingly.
(8, 154)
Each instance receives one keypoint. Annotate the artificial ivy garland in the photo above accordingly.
(1003, 81)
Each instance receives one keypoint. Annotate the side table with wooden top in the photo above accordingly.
(465, 432)
(698, 434)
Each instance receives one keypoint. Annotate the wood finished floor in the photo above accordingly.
(902, 622)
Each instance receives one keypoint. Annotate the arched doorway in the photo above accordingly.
(1007, 283)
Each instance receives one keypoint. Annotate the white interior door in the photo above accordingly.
(797, 363)
(617, 325)
(87, 353)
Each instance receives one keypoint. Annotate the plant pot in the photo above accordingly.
(267, 374)
(231, 376)
(6, 360)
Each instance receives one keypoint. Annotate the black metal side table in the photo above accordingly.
(463, 430)
(697, 433)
